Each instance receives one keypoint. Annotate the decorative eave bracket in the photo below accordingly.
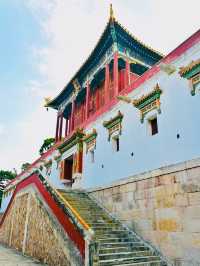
(90, 140)
(114, 125)
(148, 102)
(192, 73)
(76, 138)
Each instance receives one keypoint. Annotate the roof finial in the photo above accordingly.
(112, 17)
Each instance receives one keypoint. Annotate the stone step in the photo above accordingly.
(111, 230)
(149, 263)
(131, 245)
(108, 228)
(84, 204)
(91, 214)
(112, 233)
(102, 222)
(76, 197)
(109, 235)
(129, 254)
(119, 240)
(117, 245)
(140, 259)
(95, 219)
(114, 250)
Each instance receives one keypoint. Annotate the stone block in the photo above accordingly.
(164, 197)
(192, 212)
(191, 187)
(139, 194)
(116, 190)
(124, 188)
(194, 198)
(117, 197)
(145, 225)
(168, 179)
(191, 225)
(193, 174)
(141, 185)
(195, 240)
(168, 225)
(131, 186)
(182, 200)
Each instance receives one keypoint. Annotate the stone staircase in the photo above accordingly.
(113, 244)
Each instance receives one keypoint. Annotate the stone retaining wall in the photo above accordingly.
(163, 206)
(31, 228)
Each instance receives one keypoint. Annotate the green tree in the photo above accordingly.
(25, 166)
(5, 175)
(47, 144)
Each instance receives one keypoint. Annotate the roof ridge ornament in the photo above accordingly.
(112, 17)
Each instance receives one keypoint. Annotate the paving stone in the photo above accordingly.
(10, 257)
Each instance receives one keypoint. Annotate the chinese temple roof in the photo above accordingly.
(113, 34)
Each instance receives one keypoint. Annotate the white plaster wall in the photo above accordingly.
(54, 177)
(180, 115)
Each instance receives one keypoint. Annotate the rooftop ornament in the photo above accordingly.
(112, 17)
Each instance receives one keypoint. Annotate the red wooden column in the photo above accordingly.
(127, 73)
(57, 127)
(69, 125)
(72, 116)
(106, 85)
(61, 126)
(116, 74)
(87, 101)
(66, 127)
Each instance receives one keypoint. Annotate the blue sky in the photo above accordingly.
(44, 42)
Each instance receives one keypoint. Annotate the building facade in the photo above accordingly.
(127, 133)
(127, 110)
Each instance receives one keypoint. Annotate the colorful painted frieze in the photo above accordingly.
(192, 73)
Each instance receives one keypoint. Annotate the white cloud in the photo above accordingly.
(72, 28)
(22, 140)
(2, 129)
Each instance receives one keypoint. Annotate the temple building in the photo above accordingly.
(126, 138)
(117, 61)
(121, 100)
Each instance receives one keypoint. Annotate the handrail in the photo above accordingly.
(80, 219)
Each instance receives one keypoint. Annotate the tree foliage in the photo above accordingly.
(4, 177)
(7, 175)
(47, 144)
(25, 166)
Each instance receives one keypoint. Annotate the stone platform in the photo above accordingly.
(10, 257)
